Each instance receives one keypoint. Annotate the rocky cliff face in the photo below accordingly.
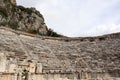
(20, 18)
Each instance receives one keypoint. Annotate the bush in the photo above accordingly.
(3, 12)
(30, 10)
(52, 33)
(13, 24)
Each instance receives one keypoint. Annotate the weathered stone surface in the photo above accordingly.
(95, 56)
(20, 18)
(25, 56)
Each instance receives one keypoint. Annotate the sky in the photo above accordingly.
(79, 18)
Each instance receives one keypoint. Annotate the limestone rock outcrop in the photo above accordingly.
(20, 18)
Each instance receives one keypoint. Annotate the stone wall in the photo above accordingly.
(7, 76)
(54, 76)
(11, 70)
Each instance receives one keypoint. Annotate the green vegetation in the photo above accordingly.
(33, 31)
(3, 23)
(30, 10)
(13, 24)
(8, 2)
(3, 12)
(52, 33)
(12, 14)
